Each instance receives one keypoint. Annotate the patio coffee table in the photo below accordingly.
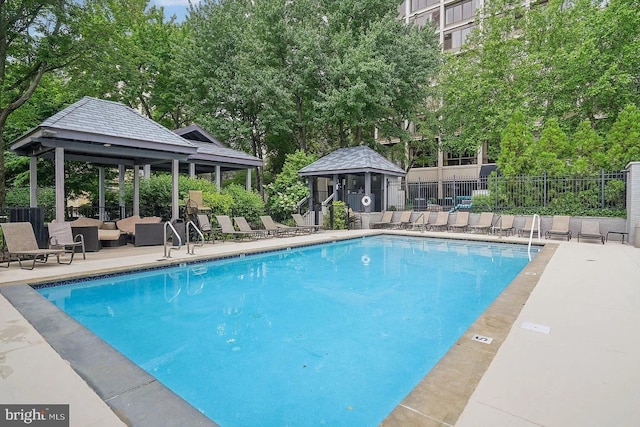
(622, 233)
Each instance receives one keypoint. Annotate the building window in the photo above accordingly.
(454, 159)
(426, 155)
(422, 4)
(423, 18)
(453, 40)
(459, 12)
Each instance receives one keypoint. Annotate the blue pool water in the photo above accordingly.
(334, 334)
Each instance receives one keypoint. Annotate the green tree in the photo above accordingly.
(272, 76)
(624, 138)
(36, 38)
(516, 141)
(572, 60)
(234, 87)
(130, 59)
(588, 150)
(551, 152)
(480, 87)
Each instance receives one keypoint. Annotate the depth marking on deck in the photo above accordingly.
(482, 339)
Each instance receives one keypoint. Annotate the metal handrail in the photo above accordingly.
(195, 227)
(533, 227)
(498, 222)
(328, 200)
(167, 254)
(302, 202)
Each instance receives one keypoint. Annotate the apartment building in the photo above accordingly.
(453, 20)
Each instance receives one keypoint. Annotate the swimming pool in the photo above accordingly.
(336, 333)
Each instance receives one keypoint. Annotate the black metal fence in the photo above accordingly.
(36, 216)
(606, 190)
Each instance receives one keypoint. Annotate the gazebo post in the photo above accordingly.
(121, 171)
(175, 170)
(367, 189)
(101, 198)
(192, 170)
(310, 201)
(384, 188)
(146, 171)
(59, 173)
(218, 178)
(33, 181)
(136, 190)
(248, 182)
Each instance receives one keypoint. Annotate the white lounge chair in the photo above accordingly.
(61, 237)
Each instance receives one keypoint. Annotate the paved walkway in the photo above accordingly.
(585, 371)
(582, 373)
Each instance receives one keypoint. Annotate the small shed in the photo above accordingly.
(353, 175)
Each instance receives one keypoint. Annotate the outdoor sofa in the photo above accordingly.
(97, 233)
(147, 231)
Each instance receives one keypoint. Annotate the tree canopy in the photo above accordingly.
(271, 77)
(572, 61)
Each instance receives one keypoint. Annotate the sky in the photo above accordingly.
(175, 7)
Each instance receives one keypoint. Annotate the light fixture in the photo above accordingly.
(106, 145)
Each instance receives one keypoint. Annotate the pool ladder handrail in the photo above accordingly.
(195, 227)
(497, 223)
(167, 254)
(533, 227)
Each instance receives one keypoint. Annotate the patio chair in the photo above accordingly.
(61, 237)
(559, 227)
(484, 224)
(227, 229)
(276, 229)
(504, 224)
(244, 226)
(403, 220)
(387, 216)
(204, 225)
(195, 205)
(300, 223)
(528, 226)
(462, 221)
(442, 220)
(21, 243)
(590, 229)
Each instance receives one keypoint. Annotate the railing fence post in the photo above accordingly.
(544, 190)
(602, 189)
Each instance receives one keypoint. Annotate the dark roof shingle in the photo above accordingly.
(351, 160)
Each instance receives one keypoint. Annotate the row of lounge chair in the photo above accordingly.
(243, 229)
(490, 223)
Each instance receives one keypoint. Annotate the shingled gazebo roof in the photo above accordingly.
(104, 132)
(213, 152)
(351, 160)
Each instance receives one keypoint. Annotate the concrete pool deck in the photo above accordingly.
(583, 372)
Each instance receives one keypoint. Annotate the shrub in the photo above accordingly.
(288, 189)
(248, 204)
(481, 203)
(339, 216)
(19, 197)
